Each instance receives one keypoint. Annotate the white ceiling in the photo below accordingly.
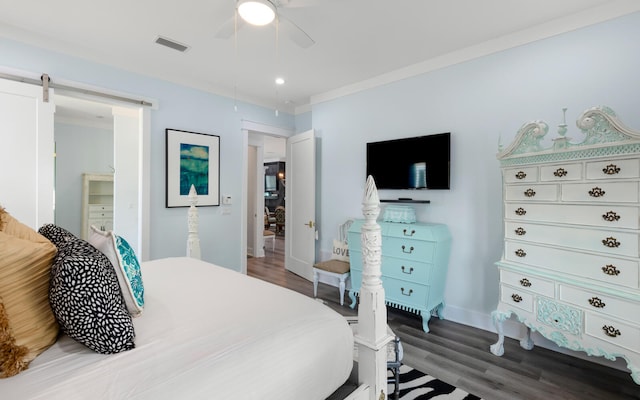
(358, 43)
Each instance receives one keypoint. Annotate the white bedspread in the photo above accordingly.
(206, 333)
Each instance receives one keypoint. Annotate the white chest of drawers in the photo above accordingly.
(571, 263)
(415, 259)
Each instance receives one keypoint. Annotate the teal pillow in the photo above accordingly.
(126, 264)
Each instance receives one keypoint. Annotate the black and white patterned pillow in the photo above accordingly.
(85, 295)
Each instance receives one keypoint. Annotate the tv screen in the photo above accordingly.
(420, 162)
(270, 183)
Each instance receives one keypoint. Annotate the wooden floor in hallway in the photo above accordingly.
(459, 354)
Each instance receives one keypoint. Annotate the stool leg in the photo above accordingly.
(315, 283)
(343, 278)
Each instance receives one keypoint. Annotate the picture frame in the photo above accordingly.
(192, 158)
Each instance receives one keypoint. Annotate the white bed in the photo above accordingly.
(206, 333)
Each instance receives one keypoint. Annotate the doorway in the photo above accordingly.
(105, 139)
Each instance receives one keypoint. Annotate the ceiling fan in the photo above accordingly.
(246, 8)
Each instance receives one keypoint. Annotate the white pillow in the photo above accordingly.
(340, 251)
(126, 265)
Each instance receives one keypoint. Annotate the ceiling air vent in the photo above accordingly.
(172, 44)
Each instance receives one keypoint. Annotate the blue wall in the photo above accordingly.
(179, 107)
(481, 102)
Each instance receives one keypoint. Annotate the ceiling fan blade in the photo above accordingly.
(295, 33)
(228, 28)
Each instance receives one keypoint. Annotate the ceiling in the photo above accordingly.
(358, 43)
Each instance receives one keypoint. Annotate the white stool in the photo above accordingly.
(335, 269)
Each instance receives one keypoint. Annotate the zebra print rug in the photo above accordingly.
(420, 386)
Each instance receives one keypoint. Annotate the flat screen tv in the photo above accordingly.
(420, 162)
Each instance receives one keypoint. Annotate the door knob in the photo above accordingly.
(309, 224)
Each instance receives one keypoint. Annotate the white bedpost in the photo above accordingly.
(193, 241)
(372, 336)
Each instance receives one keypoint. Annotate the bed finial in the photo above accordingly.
(372, 336)
(193, 241)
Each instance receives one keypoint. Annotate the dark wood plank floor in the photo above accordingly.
(459, 354)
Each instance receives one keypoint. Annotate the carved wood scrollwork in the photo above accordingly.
(611, 169)
(560, 172)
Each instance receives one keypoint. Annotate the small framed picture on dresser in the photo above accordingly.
(192, 159)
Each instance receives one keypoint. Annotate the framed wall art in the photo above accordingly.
(192, 159)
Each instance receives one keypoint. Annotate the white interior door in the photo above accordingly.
(27, 156)
(300, 210)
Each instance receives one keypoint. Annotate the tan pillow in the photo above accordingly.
(27, 324)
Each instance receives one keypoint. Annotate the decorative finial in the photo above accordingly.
(193, 196)
(562, 128)
(371, 193)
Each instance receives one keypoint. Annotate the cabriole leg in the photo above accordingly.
(526, 342)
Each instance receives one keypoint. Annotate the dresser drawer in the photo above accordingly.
(100, 208)
(516, 297)
(602, 268)
(561, 172)
(528, 282)
(612, 216)
(601, 192)
(524, 174)
(406, 269)
(405, 292)
(595, 301)
(419, 232)
(408, 249)
(612, 331)
(598, 240)
(531, 192)
(613, 169)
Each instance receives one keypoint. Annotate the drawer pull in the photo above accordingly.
(611, 216)
(610, 331)
(529, 192)
(520, 211)
(405, 272)
(611, 270)
(596, 302)
(521, 175)
(611, 242)
(525, 282)
(408, 252)
(596, 192)
(516, 298)
(560, 172)
(520, 253)
(520, 231)
(611, 169)
(404, 232)
(409, 292)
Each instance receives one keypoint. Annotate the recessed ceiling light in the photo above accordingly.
(279, 81)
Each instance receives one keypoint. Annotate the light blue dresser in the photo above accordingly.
(415, 258)
(571, 263)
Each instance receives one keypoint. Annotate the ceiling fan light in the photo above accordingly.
(257, 12)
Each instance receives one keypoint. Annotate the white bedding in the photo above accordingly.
(206, 333)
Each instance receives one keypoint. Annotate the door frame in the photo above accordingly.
(259, 128)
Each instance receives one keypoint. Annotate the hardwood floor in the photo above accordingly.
(459, 354)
